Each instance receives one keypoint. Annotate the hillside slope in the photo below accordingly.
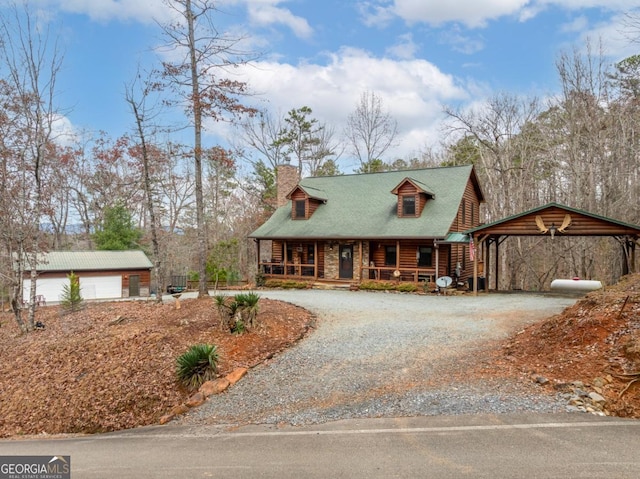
(595, 344)
(111, 366)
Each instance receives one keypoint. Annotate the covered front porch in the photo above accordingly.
(355, 261)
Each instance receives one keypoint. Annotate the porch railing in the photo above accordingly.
(413, 275)
(307, 271)
(289, 269)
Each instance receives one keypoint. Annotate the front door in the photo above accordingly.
(346, 261)
(134, 285)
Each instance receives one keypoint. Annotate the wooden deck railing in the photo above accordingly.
(412, 275)
(307, 271)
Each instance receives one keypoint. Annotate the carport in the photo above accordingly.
(550, 220)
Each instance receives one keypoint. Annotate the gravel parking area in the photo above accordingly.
(385, 355)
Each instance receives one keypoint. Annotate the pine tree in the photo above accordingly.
(71, 298)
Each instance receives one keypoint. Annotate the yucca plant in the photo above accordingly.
(249, 305)
(224, 312)
(238, 327)
(197, 365)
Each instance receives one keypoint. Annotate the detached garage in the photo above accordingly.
(102, 274)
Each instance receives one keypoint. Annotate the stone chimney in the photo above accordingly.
(286, 180)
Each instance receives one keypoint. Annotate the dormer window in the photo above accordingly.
(412, 197)
(409, 205)
(300, 209)
(305, 201)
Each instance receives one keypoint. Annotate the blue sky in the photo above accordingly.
(415, 54)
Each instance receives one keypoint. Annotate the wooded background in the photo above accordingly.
(191, 205)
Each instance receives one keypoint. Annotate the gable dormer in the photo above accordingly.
(304, 202)
(412, 197)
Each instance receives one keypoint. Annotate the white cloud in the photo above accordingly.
(412, 91)
(473, 13)
(460, 42)
(476, 13)
(405, 48)
(375, 15)
(266, 13)
(63, 131)
(617, 40)
(578, 24)
(143, 11)
(260, 12)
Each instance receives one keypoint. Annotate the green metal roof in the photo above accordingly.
(92, 260)
(363, 207)
(455, 238)
(552, 205)
(311, 192)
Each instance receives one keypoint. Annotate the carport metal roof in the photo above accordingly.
(554, 219)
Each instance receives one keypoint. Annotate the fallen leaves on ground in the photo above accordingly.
(111, 366)
(598, 337)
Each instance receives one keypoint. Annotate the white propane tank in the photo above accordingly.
(575, 284)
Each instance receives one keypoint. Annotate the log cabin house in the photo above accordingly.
(392, 226)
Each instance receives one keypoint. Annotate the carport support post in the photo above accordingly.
(475, 268)
(487, 263)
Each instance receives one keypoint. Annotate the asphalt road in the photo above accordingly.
(503, 446)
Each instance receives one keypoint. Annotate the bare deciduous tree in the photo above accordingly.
(371, 130)
(198, 73)
(31, 62)
(137, 96)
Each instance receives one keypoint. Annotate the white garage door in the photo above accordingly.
(50, 288)
(101, 287)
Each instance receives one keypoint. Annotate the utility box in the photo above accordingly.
(480, 283)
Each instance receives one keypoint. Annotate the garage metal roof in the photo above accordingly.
(92, 260)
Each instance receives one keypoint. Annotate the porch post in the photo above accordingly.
(258, 248)
(398, 255)
(436, 246)
(285, 259)
(360, 262)
(315, 260)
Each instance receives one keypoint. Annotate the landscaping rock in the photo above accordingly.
(166, 418)
(177, 410)
(216, 386)
(542, 380)
(236, 375)
(196, 400)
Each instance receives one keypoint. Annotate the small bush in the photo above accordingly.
(249, 307)
(407, 288)
(197, 365)
(224, 311)
(286, 284)
(71, 297)
(386, 286)
(377, 286)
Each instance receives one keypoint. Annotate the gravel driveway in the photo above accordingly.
(380, 354)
